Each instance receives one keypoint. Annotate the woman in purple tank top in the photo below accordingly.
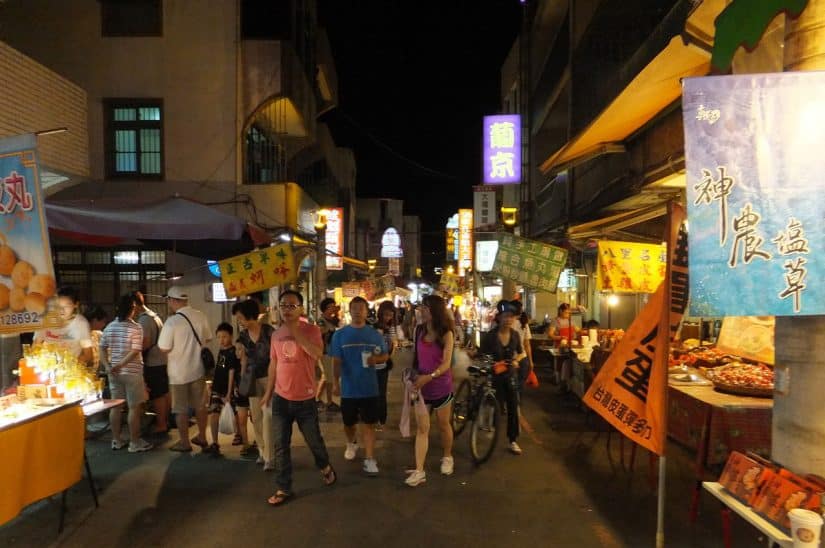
(433, 358)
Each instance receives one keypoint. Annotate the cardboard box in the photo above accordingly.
(784, 492)
(745, 475)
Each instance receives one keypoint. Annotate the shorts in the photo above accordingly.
(439, 402)
(239, 401)
(215, 403)
(157, 380)
(129, 388)
(365, 409)
(186, 396)
(327, 373)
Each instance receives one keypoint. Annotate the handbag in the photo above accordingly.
(207, 358)
(246, 387)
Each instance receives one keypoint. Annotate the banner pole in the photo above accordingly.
(660, 506)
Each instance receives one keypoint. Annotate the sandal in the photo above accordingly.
(180, 448)
(329, 477)
(279, 498)
(237, 440)
(198, 442)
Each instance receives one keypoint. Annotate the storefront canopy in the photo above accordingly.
(192, 228)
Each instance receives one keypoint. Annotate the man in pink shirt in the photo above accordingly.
(291, 386)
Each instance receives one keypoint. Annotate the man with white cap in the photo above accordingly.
(185, 332)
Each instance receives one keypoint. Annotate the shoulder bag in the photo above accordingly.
(207, 358)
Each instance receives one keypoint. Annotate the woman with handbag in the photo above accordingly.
(385, 325)
(253, 351)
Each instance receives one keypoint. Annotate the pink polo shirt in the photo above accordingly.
(295, 371)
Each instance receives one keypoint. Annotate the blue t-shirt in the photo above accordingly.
(347, 344)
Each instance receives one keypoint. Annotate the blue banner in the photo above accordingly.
(27, 282)
(754, 161)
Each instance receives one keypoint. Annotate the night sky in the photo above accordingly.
(415, 79)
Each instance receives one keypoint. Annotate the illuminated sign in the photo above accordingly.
(465, 240)
(335, 238)
(502, 149)
(214, 268)
(486, 255)
(391, 244)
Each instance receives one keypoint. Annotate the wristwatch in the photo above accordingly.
(433, 375)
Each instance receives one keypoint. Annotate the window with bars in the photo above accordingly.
(134, 138)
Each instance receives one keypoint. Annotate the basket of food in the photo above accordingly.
(743, 379)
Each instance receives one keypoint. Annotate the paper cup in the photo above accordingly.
(365, 356)
(806, 527)
(585, 341)
(593, 335)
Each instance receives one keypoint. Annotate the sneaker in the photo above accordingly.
(514, 448)
(351, 451)
(139, 446)
(416, 478)
(333, 407)
(370, 467)
(447, 466)
(117, 444)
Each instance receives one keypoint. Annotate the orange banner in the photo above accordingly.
(630, 389)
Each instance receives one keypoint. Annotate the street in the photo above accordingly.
(563, 491)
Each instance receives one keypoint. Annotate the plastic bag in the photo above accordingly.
(226, 423)
(532, 380)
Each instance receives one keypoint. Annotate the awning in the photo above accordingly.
(615, 223)
(652, 90)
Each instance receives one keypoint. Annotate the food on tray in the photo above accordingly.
(743, 374)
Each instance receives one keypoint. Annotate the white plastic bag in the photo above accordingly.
(226, 423)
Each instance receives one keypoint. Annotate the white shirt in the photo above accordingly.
(184, 358)
(75, 335)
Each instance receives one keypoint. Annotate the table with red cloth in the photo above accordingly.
(713, 424)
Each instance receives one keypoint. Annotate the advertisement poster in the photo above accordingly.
(27, 282)
(748, 336)
(754, 161)
(258, 270)
(528, 262)
(630, 267)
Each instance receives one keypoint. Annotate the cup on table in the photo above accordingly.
(806, 527)
(585, 341)
(365, 356)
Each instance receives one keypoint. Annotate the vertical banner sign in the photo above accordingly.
(335, 238)
(502, 149)
(484, 206)
(629, 390)
(258, 270)
(465, 240)
(630, 267)
(530, 263)
(394, 266)
(754, 162)
(27, 282)
(452, 239)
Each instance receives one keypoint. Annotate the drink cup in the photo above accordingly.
(806, 527)
(365, 356)
(585, 341)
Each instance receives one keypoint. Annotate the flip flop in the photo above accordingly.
(329, 477)
(279, 498)
(180, 448)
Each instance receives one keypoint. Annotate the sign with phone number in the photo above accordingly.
(20, 318)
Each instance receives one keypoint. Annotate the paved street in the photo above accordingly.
(564, 491)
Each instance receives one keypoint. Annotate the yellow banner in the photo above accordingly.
(629, 390)
(630, 267)
(452, 284)
(258, 270)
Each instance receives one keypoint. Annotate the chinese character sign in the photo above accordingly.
(502, 149)
(630, 267)
(451, 284)
(335, 238)
(754, 191)
(465, 240)
(528, 262)
(484, 206)
(27, 282)
(258, 270)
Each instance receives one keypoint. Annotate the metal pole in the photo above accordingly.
(660, 504)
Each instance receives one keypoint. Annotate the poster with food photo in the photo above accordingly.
(27, 281)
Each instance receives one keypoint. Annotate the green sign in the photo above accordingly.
(534, 264)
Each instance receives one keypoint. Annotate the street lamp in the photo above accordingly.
(371, 264)
(612, 301)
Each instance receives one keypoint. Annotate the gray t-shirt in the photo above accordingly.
(151, 324)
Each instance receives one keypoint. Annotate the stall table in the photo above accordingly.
(729, 503)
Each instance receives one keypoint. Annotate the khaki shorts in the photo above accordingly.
(187, 396)
(326, 361)
(128, 387)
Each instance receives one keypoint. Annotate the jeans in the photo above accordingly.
(305, 413)
(509, 394)
(383, 375)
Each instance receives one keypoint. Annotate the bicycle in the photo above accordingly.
(475, 401)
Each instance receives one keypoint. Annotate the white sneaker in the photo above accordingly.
(351, 451)
(416, 478)
(370, 467)
(514, 448)
(447, 466)
(139, 446)
(117, 444)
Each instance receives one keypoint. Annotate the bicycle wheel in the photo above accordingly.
(484, 431)
(461, 407)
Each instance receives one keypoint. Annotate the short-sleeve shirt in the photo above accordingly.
(184, 360)
(151, 324)
(119, 338)
(257, 352)
(226, 361)
(347, 345)
(295, 369)
(75, 335)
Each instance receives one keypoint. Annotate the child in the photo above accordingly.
(227, 368)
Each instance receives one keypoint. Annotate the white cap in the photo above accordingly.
(176, 292)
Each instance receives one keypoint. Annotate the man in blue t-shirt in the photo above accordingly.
(355, 350)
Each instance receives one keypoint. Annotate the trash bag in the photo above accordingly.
(226, 423)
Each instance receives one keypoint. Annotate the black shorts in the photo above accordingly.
(363, 409)
(215, 403)
(238, 400)
(440, 402)
(157, 380)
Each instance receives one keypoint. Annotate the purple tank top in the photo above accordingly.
(429, 358)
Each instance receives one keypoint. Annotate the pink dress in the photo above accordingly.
(429, 358)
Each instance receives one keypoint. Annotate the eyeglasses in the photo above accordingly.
(288, 306)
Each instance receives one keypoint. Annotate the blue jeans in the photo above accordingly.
(305, 413)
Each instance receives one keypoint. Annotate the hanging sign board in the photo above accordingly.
(465, 240)
(630, 267)
(335, 238)
(502, 149)
(258, 270)
(451, 284)
(528, 262)
(484, 206)
(391, 244)
(754, 162)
